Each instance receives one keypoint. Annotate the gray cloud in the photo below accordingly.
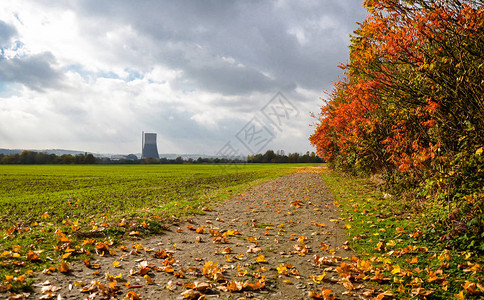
(194, 71)
(7, 32)
(295, 43)
(36, 71)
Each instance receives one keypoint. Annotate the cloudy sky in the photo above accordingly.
(207, 76)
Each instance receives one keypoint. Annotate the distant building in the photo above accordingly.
(149, 148)
(123, 157)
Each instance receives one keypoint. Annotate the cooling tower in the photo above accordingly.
(149, 146)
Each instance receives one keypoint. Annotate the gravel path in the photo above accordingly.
(273, 241)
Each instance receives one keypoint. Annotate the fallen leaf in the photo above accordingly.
(226, 250)
(131, 295)
(191, 295)
(260, 259)
(63, 268)
(460, 296)
(32, 256)
(396, 269)
(282, 269)
(149, 280)
(170, 286)
(317, 278)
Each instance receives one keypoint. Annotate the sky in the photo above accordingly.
(209, 77)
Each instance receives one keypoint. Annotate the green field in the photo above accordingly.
(118, 191)
(42, 207)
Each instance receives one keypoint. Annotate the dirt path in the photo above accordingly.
(267, 243)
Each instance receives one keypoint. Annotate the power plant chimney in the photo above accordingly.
(149, 149)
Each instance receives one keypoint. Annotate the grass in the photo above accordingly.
(395, 241)
(47, 212)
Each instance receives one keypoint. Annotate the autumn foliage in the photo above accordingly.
(411, 107)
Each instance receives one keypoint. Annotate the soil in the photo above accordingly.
(291, 221)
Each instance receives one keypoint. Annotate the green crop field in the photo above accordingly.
(29, 193)
(42, 206)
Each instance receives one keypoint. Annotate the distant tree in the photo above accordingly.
(89, 159)
(27, 157)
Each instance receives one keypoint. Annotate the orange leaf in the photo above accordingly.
(260, 259)
(32, 256)
(133, 296)
(460, 296)
(63, 268)
(226, 250)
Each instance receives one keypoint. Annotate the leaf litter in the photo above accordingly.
(282, 238)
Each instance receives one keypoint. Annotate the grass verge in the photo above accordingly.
(397, 255)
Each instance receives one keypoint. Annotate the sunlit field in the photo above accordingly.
(30, 193)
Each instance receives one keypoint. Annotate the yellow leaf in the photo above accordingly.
(444, 255)
(396, 269)
(260, 259)
(251, 239)
(397, 280)
(287, 281)
(460, 296)
(347, 226)
(380, 246)
(364, 265)
(66, 255)
(391, 243)
(479, 151)
(281, 269)
(148, 279)
(318, 278)
(116, 264)
(386, 260)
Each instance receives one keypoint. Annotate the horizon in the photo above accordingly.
(19, 150)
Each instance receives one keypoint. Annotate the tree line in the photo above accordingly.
(411, 107)
(278, 157)
(38, 158)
